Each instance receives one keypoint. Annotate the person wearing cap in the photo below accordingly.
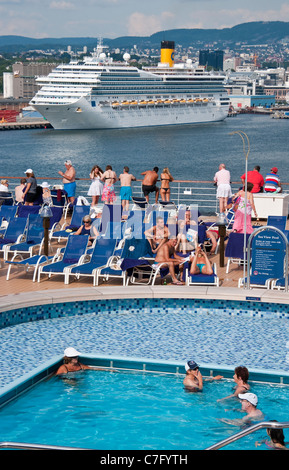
(69, 184)
(30, 191)
(249, 406)
(72, 364)
(46, 194)
(272, 182)
(193, 380)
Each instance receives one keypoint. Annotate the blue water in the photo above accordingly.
(191, 152)
(118, 410)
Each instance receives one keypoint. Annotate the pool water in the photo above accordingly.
(133, 410)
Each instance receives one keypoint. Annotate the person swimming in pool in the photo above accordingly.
(249, 406)
(72, 364)
(241, 377)
(193, 380)
(200, 263)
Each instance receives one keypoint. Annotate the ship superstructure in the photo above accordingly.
(98, 93)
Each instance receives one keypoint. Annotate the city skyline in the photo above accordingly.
(115, 18)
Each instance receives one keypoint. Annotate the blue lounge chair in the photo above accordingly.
(277, 221)
(76, 221)
(235, 249)
(203, 279)
(256, 281)
(34, 237)
(25, 211)
(74, 251)
(6, 198)
(13, 234)
(278, 284)
(32, 262)
(6, 214)
(102, 252)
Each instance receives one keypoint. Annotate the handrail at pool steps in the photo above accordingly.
(197, 192)
(249, 430)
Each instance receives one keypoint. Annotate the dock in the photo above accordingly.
(29, 124)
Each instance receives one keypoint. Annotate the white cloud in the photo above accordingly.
(140, 24)
(62, 5)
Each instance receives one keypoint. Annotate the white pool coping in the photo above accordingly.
(55, 296)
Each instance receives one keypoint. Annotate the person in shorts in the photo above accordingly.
(30, 192)
(149, 183)
(69, 184)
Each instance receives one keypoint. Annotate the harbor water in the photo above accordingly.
(190, 152)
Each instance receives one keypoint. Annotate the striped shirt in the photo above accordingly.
(271, 183)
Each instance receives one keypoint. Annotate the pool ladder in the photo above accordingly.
(228, 440)
(249, 430)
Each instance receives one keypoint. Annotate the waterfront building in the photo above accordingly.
(21, 83)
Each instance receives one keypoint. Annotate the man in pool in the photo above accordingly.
(193, 380)
(249, 406)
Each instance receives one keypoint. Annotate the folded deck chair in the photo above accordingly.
(34, 238)
(102, 252)
(74, 251)
(76, 221)
(235, 249)
(13, 234)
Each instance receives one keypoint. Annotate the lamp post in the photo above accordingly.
(245, 138)
(46, 214)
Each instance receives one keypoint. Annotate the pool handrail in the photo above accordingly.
(249, 430)
(29, 446)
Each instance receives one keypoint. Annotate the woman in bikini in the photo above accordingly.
(241, 377)
(166, 178)
(72, 364)
(200, 263)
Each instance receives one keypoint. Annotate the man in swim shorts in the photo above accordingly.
(149, 183)
(166, 255)
(68, 180)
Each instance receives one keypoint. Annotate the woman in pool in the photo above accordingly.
(200, 263)
(241, 377)
(277, 439)
(71, 363)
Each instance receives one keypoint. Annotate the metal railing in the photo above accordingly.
(29, 446)
(249, 430)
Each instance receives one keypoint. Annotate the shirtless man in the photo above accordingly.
(249, 406)
(125, 191)
(167, 256)
(193, 380)
(69, 180)
(157, 235)
(149, 183)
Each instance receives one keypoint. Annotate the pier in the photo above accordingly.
(19, 125)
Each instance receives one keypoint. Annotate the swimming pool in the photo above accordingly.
(255, 334)
(133, 411)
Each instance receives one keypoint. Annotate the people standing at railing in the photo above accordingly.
(166, 179)
(69, 183)
(254, 177)
(109, 178)
(96, 187)
(149, 183)
(19, 190)
(30, 192)
(223, 181)
(239, 201)
(125, 191)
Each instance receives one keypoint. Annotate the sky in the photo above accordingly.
(115, 18)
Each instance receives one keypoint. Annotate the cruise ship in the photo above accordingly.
(98, 93)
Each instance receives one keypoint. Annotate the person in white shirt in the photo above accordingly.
(223, 180)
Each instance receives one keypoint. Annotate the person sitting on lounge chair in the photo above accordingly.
(166, 255)
(200, 263)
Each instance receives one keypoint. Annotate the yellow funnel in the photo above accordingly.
(168, 52)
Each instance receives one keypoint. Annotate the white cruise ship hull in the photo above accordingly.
(82, 115)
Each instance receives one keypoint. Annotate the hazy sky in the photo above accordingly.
(114, 18)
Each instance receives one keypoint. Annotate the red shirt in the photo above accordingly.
(256, 178)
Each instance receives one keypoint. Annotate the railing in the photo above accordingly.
(201, 193)
(249, 430)
(25, 446)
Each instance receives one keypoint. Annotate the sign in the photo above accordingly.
(268, 254)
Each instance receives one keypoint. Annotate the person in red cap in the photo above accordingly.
(272, 182)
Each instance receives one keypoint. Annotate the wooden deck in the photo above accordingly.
(21, 282)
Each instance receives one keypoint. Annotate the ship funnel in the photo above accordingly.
(168, 53)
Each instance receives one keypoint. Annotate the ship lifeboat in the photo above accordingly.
(151, 103)
(198, 101)
(143, 103)
(176, 101)
(133, 103)
(190, 101)
(160, 102)
(183, 101)
(167, 102)
(115, 104)
(125, 103)
(205, 100)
